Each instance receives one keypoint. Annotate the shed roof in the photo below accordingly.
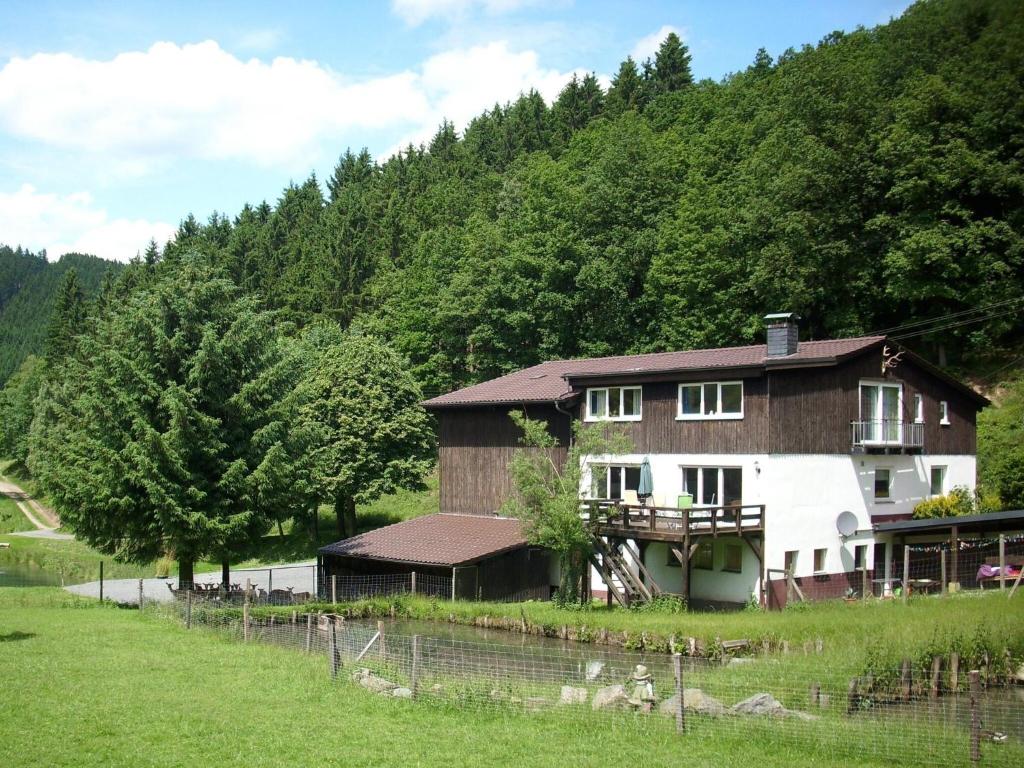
(440, 539)
(992, 522)
(551, 381)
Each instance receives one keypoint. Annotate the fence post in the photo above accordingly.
(906, 572)
(334, 589)
(309, 632)
(414, 582)
(945, 584)
(270, 580)
(188, 609)
(677, 669)
(245, 611)
(334, 647)
(414, 680)
(936, 680)
(954, 671)
(380, 640)
(101, 581)
(140, 595)
(1002, 562)
(864, 581)
(906, 682)
(975, 716)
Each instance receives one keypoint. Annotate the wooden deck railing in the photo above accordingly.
(614, 517)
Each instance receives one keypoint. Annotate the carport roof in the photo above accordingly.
(441, 539)
(993, 522)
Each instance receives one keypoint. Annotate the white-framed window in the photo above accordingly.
(881, 409)
(937, 481)
(710, 400)
(883, 484)
(733, 558)
(611, 481)
(614, 404)
(918, 408)
(819, 560)
(713, 486)
(944, 412)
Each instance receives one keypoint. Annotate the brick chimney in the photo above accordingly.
(783, 334)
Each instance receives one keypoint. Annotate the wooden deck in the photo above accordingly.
(672, 524)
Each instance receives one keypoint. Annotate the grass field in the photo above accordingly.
(12, 518)
(86, 685)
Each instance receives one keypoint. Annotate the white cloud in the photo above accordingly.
(647, 46)
(415, 12)
(62, 224)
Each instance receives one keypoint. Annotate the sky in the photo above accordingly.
(118, 119)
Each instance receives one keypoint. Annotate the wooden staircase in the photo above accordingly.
(625, 584)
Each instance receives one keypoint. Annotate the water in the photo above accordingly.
(17, 575)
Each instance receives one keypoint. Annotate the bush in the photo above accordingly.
(958, 502)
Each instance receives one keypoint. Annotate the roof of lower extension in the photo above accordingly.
(992, 522)
(550, 382)
(441, 539)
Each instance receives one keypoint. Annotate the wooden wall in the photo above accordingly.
(476, 446)
(811, 409)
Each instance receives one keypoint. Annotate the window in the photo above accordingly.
(733, 558)
(614, 404)
(883, 480)
(860, 556)
(881, 406)
(819, 560)
(944, 412)
(919, 408)
(611, 481)
(938, 481)
(714, 486)
(711, 400)
(790, 561)
(704, 557)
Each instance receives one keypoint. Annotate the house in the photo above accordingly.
(766, 459)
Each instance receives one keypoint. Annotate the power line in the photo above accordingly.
(950, 316)
(957, 324)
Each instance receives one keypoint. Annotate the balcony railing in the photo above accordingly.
(887, 433)
(611, 516)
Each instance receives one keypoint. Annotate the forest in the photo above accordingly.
(871, 182)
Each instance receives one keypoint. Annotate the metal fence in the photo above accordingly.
(812, 705)
(337, 588)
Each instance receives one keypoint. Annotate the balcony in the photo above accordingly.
(610, 517)
(886, 436)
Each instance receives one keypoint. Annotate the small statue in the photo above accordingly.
(643, 689)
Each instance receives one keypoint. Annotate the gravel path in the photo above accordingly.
(40, 516)
(298, 576)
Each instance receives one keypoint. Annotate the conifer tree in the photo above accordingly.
(627, 90)
(672, 65)
(67, 319)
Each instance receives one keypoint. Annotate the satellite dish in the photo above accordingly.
(846, 523)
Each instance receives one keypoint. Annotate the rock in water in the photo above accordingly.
(571, 695)
(610, 696)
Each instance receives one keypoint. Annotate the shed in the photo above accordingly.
(472, 557)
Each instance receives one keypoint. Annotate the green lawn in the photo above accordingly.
(12, 518)
(87, 685)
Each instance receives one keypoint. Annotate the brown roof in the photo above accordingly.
(550, 381)
(439, 539)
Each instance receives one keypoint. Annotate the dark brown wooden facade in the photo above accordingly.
(475, 447)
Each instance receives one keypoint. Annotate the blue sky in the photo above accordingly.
(118, 119)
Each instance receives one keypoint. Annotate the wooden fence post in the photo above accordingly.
(906, 682)
(954, 671)
(380, 641)
(864, 581)
(1002, 562)
(141, 597)
(906, 573)
(333, 650)
(334, 589)
(245, 611)
(188, 609)
(414, 582)
(677, 669)
(944, 590)
(936, 680)
(309, 632)
(414, 680)
(975, 716)
(101, 581)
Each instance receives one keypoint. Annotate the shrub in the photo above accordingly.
(958, 502)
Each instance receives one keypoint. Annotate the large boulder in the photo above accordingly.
(609, 697)
(373, 682)
(766, 704)
(571, 695)
(694, 700)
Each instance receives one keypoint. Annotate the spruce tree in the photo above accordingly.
(67, 319)
(627, 90)
(672, 65)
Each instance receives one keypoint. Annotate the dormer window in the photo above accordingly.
(711, 400)
(614, 404)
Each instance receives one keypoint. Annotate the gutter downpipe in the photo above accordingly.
(568, 415)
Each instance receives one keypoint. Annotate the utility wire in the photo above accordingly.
(951, 316)
(957, 323)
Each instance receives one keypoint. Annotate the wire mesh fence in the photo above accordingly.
(341, 588)
(814, 704)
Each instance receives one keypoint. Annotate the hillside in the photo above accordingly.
(28, 285)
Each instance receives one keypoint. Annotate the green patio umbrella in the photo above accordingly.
(646, 488)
